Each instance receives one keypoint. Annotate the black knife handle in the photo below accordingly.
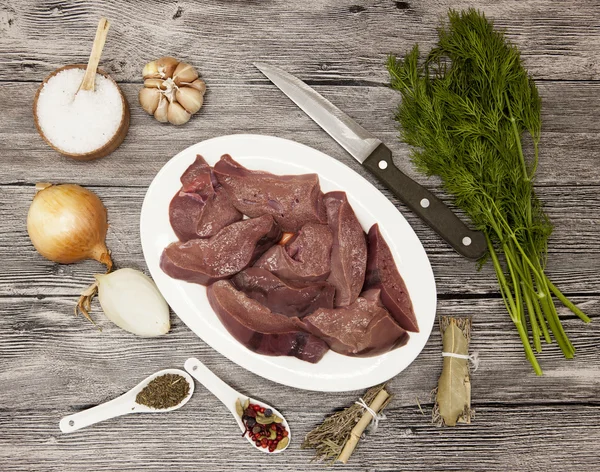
(428, 207)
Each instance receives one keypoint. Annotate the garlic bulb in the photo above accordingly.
(132, 301)
(172, 90)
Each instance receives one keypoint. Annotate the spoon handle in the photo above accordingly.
(214, 384)
(105, 411)
(89, 79)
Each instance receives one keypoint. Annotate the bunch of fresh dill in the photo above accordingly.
(464, 111)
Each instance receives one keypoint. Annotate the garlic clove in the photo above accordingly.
(155, 83)
(189, 98)
(161, 110)
(199, 85)
(184, 73)
(149, 98)
(131, 300)
(150, 70)
(166, 66)
(176, 114)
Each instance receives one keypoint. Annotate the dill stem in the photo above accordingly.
(569, 346)
(527, 292)
(536, 306)
(504, 288)
(566, 302)
(535, 158)
(552, 316)
(513, 122)
(512, 309)
(525, 276)
(516, 285)
(521, 294)
(535, 329)
(538, 271)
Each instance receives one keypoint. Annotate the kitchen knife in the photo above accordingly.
(377, 158)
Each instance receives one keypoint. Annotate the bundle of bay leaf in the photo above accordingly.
(453, 393)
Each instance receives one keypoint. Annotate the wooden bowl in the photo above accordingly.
(111, 145)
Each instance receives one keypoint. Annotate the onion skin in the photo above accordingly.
(68, 223)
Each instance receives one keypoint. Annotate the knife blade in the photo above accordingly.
(377, 158)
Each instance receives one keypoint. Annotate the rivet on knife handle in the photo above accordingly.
(428, 207)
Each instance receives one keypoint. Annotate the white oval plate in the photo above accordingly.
(334, 373)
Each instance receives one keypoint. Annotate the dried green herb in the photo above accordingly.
(329, 438)
(165, 391)
(453, 397)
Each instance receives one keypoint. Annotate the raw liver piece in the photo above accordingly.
(198, 178)
(349, 250)
(201, 208)
(383, 274)
(192, 218)
(362, 329)
(293, 200)
(306, 258)
(260, 330)
(286, 298)
(231, 250)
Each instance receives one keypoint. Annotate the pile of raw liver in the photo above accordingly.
(327, 287)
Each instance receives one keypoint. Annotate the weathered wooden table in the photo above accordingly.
(52, 364)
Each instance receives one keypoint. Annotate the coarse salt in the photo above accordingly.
(79, 122)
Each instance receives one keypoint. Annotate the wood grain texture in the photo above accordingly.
(52, 364)
(75, 366)
(569, 143)
(324, 40)
(574, 252)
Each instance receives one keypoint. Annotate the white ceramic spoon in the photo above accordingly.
(123, 405)
(228, 397)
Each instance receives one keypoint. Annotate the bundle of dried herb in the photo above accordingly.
(336, 438)
(165, 391)
(453, 397)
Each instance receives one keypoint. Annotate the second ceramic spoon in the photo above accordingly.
(228, 397)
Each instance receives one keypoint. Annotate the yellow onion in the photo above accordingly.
(67, 223)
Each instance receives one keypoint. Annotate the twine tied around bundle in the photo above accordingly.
(473, 358)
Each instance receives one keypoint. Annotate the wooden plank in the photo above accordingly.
(559, 40)
(568, 150)
(55, 365)
(573, 260)
(52, 360)
(202, 437)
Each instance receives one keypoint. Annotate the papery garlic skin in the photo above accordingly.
(131, 300)
(180, 92)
